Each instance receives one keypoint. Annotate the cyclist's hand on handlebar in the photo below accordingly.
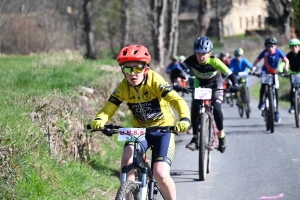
(97, 123)
(235, 88)
(182, 126)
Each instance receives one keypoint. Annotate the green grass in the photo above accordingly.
(28, 170)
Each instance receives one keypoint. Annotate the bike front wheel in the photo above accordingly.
(202, 132)
(297, 107)
(128, 190)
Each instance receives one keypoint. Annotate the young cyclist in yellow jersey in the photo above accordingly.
(149, 98)
(207, 70)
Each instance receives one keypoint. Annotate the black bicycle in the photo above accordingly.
(242, 97)
(296, 88)
(144, 187)
(268, 81)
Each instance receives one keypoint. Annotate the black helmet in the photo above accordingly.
(203, 45)
(271, 40)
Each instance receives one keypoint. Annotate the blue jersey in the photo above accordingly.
(239, 66)
(271, 60)
(171, 67)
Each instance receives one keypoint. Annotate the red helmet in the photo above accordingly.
(134, 53)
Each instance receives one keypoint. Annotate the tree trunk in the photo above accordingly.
(89, 37)
(203, 18)
(158, 8)
(287, 10)
(220, 30)
(125, 23)
(172, 28)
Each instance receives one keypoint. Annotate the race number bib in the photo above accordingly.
(129, 134)
(202, 93)
(267, 79)
(296, 78)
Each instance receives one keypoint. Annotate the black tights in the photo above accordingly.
(262, 92)
(217, 111)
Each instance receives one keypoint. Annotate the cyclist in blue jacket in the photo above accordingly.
(240, 64)
(271, 55)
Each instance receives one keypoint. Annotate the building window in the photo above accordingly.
(259, 21)
(252, 20)
(247, 22)
(241, 22)
(246, 2)
(240, 2)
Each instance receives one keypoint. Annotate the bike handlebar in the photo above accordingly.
(111, 129)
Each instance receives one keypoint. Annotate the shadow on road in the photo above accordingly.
(181, 176)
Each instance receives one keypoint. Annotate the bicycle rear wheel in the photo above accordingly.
(297, 107)
(202, 132)
(128, 190)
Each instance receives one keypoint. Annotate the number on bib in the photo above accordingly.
(203, 93)
(129, 134)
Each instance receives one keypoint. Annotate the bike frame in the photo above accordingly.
(143, 166)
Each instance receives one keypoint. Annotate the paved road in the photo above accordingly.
(256, 165)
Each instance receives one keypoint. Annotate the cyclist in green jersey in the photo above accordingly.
(207, 70)
(294, 61)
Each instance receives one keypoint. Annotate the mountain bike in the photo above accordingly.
(206, 129)
(144, 187)
(242, 96)
(296, 88)
(268, 113)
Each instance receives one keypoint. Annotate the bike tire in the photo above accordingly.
(231, 100)
(266, 112)
(271, 110)
(202, 145)
(241, 110)
(246, 103)
(212, 129)
(128, 187)
(297, 107)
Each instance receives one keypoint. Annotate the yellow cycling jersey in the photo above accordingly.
(149, 102)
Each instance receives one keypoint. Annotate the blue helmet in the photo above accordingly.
(203, 45)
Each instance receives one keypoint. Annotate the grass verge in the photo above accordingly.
(45, 153)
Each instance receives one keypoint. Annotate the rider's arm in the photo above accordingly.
(284, 59)
(247, 64)
(218, 64)
(177, 102)
(260, 56)
(111, 105)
